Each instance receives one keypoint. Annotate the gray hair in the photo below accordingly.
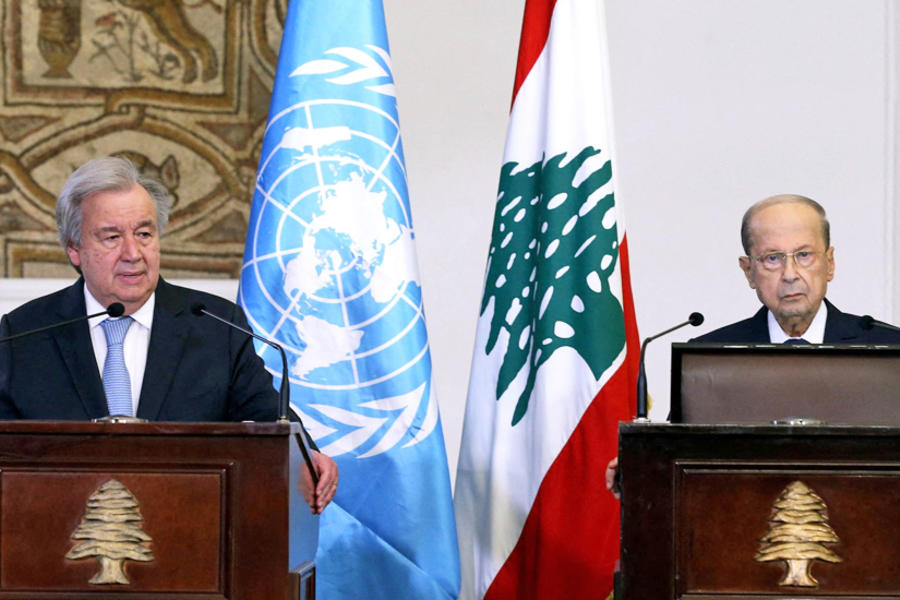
(747, 241)
(109, 173)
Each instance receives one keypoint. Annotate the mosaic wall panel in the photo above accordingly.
(179, 86)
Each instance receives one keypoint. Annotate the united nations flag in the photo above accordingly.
(330, 272)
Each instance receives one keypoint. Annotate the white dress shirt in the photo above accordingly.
(815, 334)
(135, 346)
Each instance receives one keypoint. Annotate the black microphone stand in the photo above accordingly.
(199, 309)
(116, 309)
(641, 417)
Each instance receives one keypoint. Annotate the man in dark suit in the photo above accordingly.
(840, 328)
(789, 262)
(190, 362)
(166, 363)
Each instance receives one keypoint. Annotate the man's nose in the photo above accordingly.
(130, 249)
(790, 271)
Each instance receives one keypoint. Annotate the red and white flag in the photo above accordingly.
(556, 351)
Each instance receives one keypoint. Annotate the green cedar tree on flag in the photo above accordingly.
(555, 361)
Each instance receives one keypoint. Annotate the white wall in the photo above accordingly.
(721, 103)
(454, 64)
(718, 103)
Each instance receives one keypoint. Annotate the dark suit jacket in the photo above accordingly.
(840, 328)
(197, 368)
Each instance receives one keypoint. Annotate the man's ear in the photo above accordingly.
(745, 264)
(829, 260)
(74, 255)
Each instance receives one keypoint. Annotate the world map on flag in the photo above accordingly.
(334, 260)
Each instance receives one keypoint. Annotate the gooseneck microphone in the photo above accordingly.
(116, 309)
(694, 319)
(867, 322)
(199, 309)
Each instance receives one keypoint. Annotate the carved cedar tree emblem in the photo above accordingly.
(111, 531)
(798, 532)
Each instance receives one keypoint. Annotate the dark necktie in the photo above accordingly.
(795, 341)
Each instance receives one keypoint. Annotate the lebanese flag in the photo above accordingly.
(555, 362)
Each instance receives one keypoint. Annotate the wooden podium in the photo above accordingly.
(154, 510)
(740, 512)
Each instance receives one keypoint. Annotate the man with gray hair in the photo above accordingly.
(789, 261)
(158, 361)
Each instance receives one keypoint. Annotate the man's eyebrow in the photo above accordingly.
(795, 249)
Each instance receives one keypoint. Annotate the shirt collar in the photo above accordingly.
(143, 315)
(815, 334)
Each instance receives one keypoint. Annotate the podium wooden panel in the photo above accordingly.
(697, 499)
(220, 502)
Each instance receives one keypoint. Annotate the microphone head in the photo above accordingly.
(197, 308)
(116, 309)
(695, 319)
(866, 322)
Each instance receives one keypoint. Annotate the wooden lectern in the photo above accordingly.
(200, 511)
(759, 511)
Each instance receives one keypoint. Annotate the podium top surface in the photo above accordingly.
(771, 430)
(149, 428)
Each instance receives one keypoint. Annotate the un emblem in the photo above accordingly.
(330, 267)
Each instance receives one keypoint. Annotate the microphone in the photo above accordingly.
(199, 309)
(694, 319)
(867, 323)
(116, 309)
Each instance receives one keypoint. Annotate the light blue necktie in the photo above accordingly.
(116, 382)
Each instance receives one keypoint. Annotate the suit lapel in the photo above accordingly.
(167, 341)
(759, 327)
(76, 350)
(840, 328)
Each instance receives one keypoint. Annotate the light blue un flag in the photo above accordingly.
(330, 272)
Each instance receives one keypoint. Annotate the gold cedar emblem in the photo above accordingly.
(110, 530)
(798, 532)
